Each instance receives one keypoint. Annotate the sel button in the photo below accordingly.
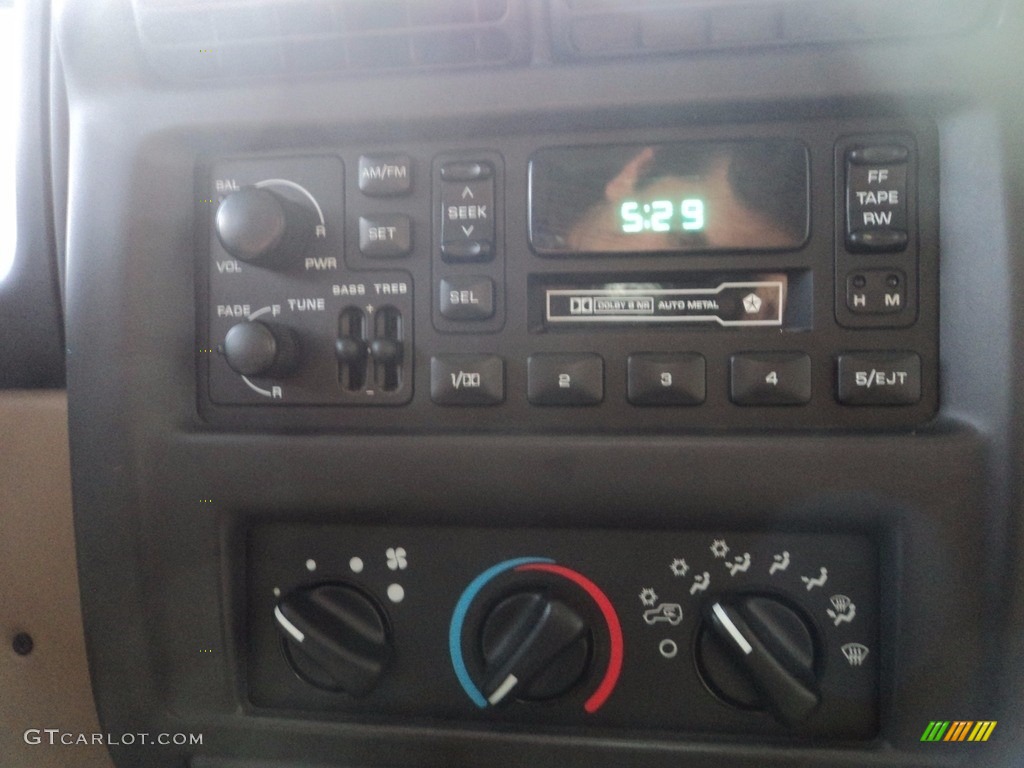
(879, 378)
(467, 298)
(467, 379)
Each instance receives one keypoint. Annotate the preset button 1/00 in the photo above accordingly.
(879, 378)
(467, 379)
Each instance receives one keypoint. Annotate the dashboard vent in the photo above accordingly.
(212, 39)
(606, 28)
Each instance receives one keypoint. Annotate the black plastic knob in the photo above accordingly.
(336, 637)
(534, 648)
(261, 227)
(255, 348)
(757, 652)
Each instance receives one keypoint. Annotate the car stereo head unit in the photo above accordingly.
(679, 278)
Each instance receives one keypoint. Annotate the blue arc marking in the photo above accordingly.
(459, 618)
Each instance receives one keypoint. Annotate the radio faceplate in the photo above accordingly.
(394, 287)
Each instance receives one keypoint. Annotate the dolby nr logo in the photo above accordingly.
(581, 305)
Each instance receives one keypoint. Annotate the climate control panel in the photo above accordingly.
(698, 631)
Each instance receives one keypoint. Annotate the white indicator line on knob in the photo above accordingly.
(723, 617)
(290, 628)
(503, 689)
(293, 185)
(254, 388)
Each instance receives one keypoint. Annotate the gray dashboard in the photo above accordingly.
(216, 511)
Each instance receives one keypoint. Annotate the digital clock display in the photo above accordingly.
(663, 198)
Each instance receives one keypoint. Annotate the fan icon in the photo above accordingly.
(752, 303)
(396, 559)
(648, 596)
(719, 549)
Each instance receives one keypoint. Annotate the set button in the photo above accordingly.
(385, 236)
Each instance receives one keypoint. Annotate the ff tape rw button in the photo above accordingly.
(879, 378)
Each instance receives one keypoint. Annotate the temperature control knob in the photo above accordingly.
(336, 637)
(261, 227)
(757, 652)
(256, 348)
(534, 648)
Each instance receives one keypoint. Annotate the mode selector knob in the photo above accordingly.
(261, 227)
(534, 648)
(758, 652)
(256, 348)
(336, 637)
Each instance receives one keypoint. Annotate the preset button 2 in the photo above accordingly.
(575, 379)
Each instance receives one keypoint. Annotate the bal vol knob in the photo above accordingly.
(262, 227)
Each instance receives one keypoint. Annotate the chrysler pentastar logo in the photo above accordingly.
(959, 730)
